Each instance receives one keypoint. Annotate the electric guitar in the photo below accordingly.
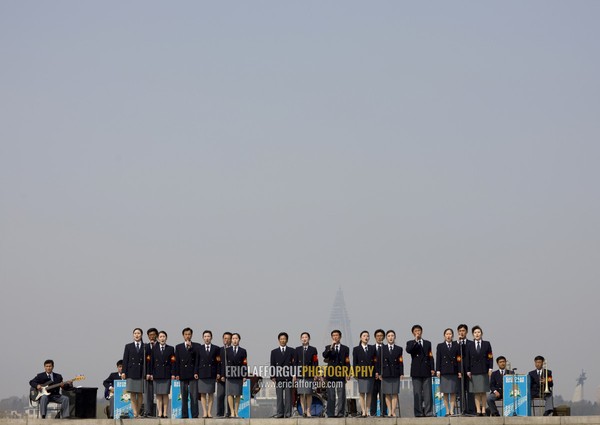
(36, 394)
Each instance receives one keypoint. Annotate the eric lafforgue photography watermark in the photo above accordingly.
(288, 376)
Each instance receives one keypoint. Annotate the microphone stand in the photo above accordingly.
(382, 405)
(303, 396)
(464, 403)
(144, 382)
(226, 387)
(515, 392)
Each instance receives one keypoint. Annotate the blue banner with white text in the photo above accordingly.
(516, 395)
(122, 402)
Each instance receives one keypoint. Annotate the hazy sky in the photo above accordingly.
(230, 165)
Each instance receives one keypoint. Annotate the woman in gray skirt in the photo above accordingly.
(209, 364)
(363, 363)
(236, 373)
(133, 365)
(391, 371)
(447, 369)
(307, 359)
(479, 366)
(163, 358)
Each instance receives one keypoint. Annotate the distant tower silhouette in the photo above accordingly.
(578, 393)
(339, 320)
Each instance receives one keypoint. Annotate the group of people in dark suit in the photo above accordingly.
(463, 366)
(202, 369)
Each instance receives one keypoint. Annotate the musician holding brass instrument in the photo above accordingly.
(541, 383)
(49, 384)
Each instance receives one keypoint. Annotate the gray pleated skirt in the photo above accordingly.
(162, 386)
(304, 386)
(206, 385)
(134, 385)
(449, 384)
(233, 386)
(365, 385)
(479, 383)
(390, 386)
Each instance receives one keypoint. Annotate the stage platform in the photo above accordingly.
(515, 420)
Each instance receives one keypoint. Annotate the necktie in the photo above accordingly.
(305, 348)
(421, 343)
(207, 349)
(162, 349)
(282, 350)
(137, 346)
(449, 346)
(501, 373)
(235, 350)
(478, 346)
(337, 348)
(366, 349)
(49, 377)
(391, 347)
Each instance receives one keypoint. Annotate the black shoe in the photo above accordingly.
(548, 413)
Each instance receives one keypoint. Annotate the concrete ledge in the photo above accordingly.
(512, 420)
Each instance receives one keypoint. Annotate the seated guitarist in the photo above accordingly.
(50, 378)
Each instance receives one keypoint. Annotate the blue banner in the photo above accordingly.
(176, 400)
(122, 402)
(438, 401)
(244, 411)
(516, 395)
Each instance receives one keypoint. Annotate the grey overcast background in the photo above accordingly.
(231, 165)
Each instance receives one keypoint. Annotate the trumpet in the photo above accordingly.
(546, 387)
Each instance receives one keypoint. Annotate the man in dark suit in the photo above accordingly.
(50, 378)
(307, 361)
(537, 384)
(467, 399)
(283, 363)
(222, 405)
(422, 369)
(337, 357)
(186, 371)
(149, 393)
(379, 337)
(109, 389)
(496, 385)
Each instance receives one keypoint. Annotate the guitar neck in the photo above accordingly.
(50, 387)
